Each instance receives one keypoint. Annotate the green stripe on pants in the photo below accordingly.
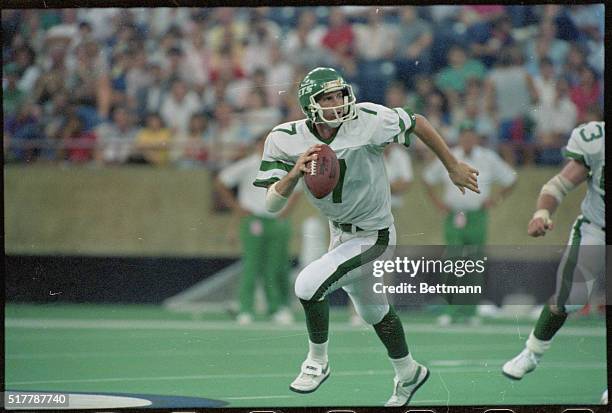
(570, 264)
(370, 254)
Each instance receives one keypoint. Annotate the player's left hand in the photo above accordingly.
(464, 176)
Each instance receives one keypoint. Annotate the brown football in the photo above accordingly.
(324, 173)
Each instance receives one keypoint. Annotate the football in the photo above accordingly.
(324, 173)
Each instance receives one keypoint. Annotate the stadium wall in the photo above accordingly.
(146, 212)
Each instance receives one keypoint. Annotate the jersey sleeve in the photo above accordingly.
(230, 175)
(395, 126)
(585, 141)
(274, 165)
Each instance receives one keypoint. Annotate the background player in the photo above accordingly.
(264, 237)
(584, 258)
(361, 223)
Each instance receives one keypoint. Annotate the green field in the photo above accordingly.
(147, 350)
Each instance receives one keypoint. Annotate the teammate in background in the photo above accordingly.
(359, 211)
(465, 226)
(584, 258)
(264, 236)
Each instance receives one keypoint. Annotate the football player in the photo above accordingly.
(584, 258)
(358, 209)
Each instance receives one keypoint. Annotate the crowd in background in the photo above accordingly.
(196, 87)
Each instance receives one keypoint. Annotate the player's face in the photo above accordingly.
(330, 100)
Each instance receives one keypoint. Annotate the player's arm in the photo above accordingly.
(573, 174)
(279, 192)
(228, 198)
(462, 175)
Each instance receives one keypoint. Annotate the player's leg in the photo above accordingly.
(375, 310)
(282, 270)
(320, 278)
(454, 239)
(272, 263)
(582, 263)
(251, 237)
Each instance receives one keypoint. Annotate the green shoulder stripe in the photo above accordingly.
(576, 156)
(371, 112)
(291, 131)
(264, 183)
(268, 165)
(412, 118)
(403, 130)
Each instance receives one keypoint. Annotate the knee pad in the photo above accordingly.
(371, 313)
(304, 288)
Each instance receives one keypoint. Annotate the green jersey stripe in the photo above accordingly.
(264, 183)
(370, 254)
(576, 156)
(371, 112)
(268, 165)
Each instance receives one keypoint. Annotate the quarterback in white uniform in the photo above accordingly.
(583, 261)
(358, 209)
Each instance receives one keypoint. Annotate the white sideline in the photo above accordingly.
(110, 324)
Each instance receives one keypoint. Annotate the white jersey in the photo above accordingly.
(362, 196)
(587, 145)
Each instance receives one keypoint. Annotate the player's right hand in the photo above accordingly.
(538, 226)
(300, 165)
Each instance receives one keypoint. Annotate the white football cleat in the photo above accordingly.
(404, 390)
(311, 376)
(525, 362)
(604, 397)
(244, 319)
(283, 317)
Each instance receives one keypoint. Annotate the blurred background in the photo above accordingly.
(117, 120)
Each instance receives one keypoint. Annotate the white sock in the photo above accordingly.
(405, 368)
(537, 346)
(318, 352)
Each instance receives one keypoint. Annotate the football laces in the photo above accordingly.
(313, 167)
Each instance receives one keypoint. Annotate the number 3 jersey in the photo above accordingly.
(362, 196)
(587, 145)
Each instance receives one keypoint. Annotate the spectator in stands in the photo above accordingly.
(53, 79)
(137, 77)
(278, 76)
(489, 43)
(413, 51)
(340, 37)
(89, 80)
(197, 60)
(77, 143)
(195, 147)
(511, 95)
(178, 106)
(231, 138)
(574, 62)
(27, 71)
(586, 93)
(115, 139)
(306, 38)
(375, 40)
(423, 86)
(151, 95)
(259, 116)
(452, 79)
(22, 133)
(546, 45)
(12, 96)
(153, 142)
(260, 39)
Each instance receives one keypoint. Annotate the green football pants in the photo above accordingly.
(265, 245)
(465, 236)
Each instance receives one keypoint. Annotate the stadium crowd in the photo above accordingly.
(196, 87)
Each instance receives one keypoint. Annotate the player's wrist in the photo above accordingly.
(543, 214)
